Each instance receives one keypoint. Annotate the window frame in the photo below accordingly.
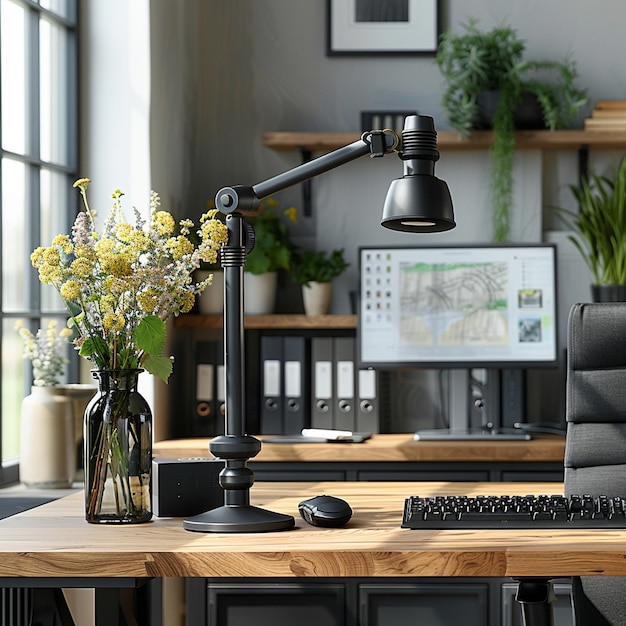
(34, 167)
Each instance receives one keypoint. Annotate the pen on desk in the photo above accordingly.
(326, 433)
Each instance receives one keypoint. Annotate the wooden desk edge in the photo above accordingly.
(54, 541)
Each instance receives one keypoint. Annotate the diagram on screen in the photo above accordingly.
(454, 304)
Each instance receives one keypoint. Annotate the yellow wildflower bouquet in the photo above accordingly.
(122, 285)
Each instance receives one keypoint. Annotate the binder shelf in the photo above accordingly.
(271, 321)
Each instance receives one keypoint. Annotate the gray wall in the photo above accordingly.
(225, 72)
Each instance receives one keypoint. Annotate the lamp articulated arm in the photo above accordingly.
(418, 202)
(245, 200)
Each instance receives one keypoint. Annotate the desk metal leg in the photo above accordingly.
(536, 596)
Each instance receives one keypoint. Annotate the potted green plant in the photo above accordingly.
(599, 231)
(482, 67)
(273, 250)
(314, 270)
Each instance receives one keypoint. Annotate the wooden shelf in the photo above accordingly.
(447, 140)
(388, 448)
(271, 321)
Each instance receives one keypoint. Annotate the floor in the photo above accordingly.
(17, 498)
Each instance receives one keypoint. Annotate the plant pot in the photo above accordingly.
(316, 298)
(259, 293)
(211, 300)
(47, 446)
(608, 293)
(528, 115)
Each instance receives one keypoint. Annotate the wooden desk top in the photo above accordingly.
(54, 541)
(388, 448)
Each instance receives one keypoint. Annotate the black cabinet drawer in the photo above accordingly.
(276, 604)
(437, 604)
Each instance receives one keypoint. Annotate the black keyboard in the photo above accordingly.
(484, 512)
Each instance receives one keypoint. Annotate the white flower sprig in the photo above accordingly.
(45, 350)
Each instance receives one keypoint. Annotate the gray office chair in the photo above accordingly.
(595, 451)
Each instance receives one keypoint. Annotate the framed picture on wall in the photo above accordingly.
(379, 27)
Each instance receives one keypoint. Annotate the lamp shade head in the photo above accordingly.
(418, 204)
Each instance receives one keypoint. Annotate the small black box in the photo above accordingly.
(184, 487)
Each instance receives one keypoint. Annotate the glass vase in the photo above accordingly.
(118, 451)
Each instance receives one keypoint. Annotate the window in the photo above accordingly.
(38, 164)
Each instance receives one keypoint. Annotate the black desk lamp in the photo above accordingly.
(417, 202)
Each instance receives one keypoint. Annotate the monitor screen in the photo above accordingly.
(467, 306)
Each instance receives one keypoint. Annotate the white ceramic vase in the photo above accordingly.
(79, 395)
(259, 293)
(47, 442)
(316, 298)
(211, 300)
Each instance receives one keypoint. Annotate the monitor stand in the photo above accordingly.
(462, 383)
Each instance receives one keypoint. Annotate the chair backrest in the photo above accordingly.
(595, 449)
(595, 452)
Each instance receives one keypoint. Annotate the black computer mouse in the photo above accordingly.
(326, 511)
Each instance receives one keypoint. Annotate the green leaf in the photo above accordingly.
(75, 320)
(126, 358)
(94, 347)
(150, 335)
(318, 266)
(273, 247)
(160, 366)
(258, 262)
(599, 225)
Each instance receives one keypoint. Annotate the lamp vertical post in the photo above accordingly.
(236, 447)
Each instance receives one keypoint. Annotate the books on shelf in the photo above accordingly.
(608, 115)
(605, 105)
(591, 123)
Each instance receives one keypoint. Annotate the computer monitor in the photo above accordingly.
(458, 306)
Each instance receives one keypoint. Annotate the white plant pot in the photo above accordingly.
(211, 300)
(316, 298)
(259, 293)
(47, 446)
